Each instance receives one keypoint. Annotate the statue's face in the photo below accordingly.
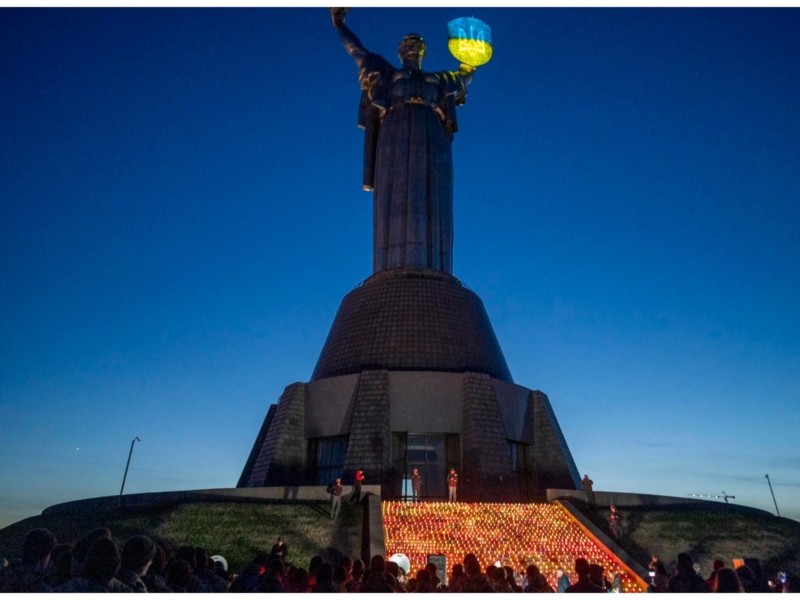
(411, 49)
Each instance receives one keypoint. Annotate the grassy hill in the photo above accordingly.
(707, 532)
(236, 530)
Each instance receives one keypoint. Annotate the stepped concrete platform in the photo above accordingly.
(544, 534)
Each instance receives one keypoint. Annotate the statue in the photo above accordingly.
(409, 118)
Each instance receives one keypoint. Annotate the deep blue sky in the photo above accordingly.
(181, 214)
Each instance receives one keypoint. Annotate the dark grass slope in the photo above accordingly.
(716, 530)
(235, 530)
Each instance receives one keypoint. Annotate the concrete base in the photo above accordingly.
(482, 416)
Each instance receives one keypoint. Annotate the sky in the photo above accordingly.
(181, 214)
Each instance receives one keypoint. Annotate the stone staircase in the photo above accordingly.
(544, 534)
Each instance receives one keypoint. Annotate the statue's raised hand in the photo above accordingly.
(338, 15)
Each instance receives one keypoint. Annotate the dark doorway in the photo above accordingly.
(434, 454)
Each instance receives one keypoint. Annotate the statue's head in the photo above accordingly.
(411, 49)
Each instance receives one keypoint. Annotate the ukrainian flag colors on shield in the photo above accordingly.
(470, 41)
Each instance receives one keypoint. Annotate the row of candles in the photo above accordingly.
(515, 534)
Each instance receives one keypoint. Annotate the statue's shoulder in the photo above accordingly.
(376, 63)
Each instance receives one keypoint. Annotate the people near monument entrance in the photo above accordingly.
(457, 577)
(137, 556)
(752, 577)
(156, 577)
(279, 549)
(562, 581)
(588, 491)
(416, 484)
(715, 566)
(659, 580)
(499, 581)
(272, 582)
(726, 581)
(335, 490)
(596, 577)
(616, 584)
(536, 583)
(250, 578)
(324, 583)
(614, 525)
(30, 574)
(105, 568)
(358, 481)
(61, 560)
(359, 568)
(206, 572)
(313, 565)
(686, 578)
(375, 577)
(81, 547)
(99, 570)
(475, 580)
(191, 582)
(340, 578)
(350, 584)
(423, 583)
(584, 585)
(512, 578)
(431, 568)
(452, 486)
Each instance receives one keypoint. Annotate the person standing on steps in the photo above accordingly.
(588, 491)
(335, 490)
(357, 482)
(452, 485)
(416, 484)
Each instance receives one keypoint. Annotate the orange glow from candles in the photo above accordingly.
(515, 534)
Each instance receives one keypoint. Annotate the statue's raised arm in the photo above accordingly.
(349, 39)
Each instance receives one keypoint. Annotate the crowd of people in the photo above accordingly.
(97, 563)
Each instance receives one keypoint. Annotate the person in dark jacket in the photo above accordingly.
(30, 574)
(99, 570)
(584, 585)
(535, 582)
(686, 580)
(137, 556)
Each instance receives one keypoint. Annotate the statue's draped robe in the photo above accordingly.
(409, 117)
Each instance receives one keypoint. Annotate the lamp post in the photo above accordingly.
(124, 477)
(773, 494)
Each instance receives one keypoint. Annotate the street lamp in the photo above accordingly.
(124, 477)
(773, 494)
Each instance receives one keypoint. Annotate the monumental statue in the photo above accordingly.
(411, 375)
(409, 118)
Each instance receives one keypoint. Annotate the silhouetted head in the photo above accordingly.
(102, 561)
(582, 567)
(727, 581)
(138, 552)
(358, 568)
(685, 565)
(82, 545)
(596, 573)
(38, 545)
(377, 564)
(179, 574)
(187, 553)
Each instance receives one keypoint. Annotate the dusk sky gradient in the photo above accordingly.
(181, 214)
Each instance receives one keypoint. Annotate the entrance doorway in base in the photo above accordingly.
(434, 454)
